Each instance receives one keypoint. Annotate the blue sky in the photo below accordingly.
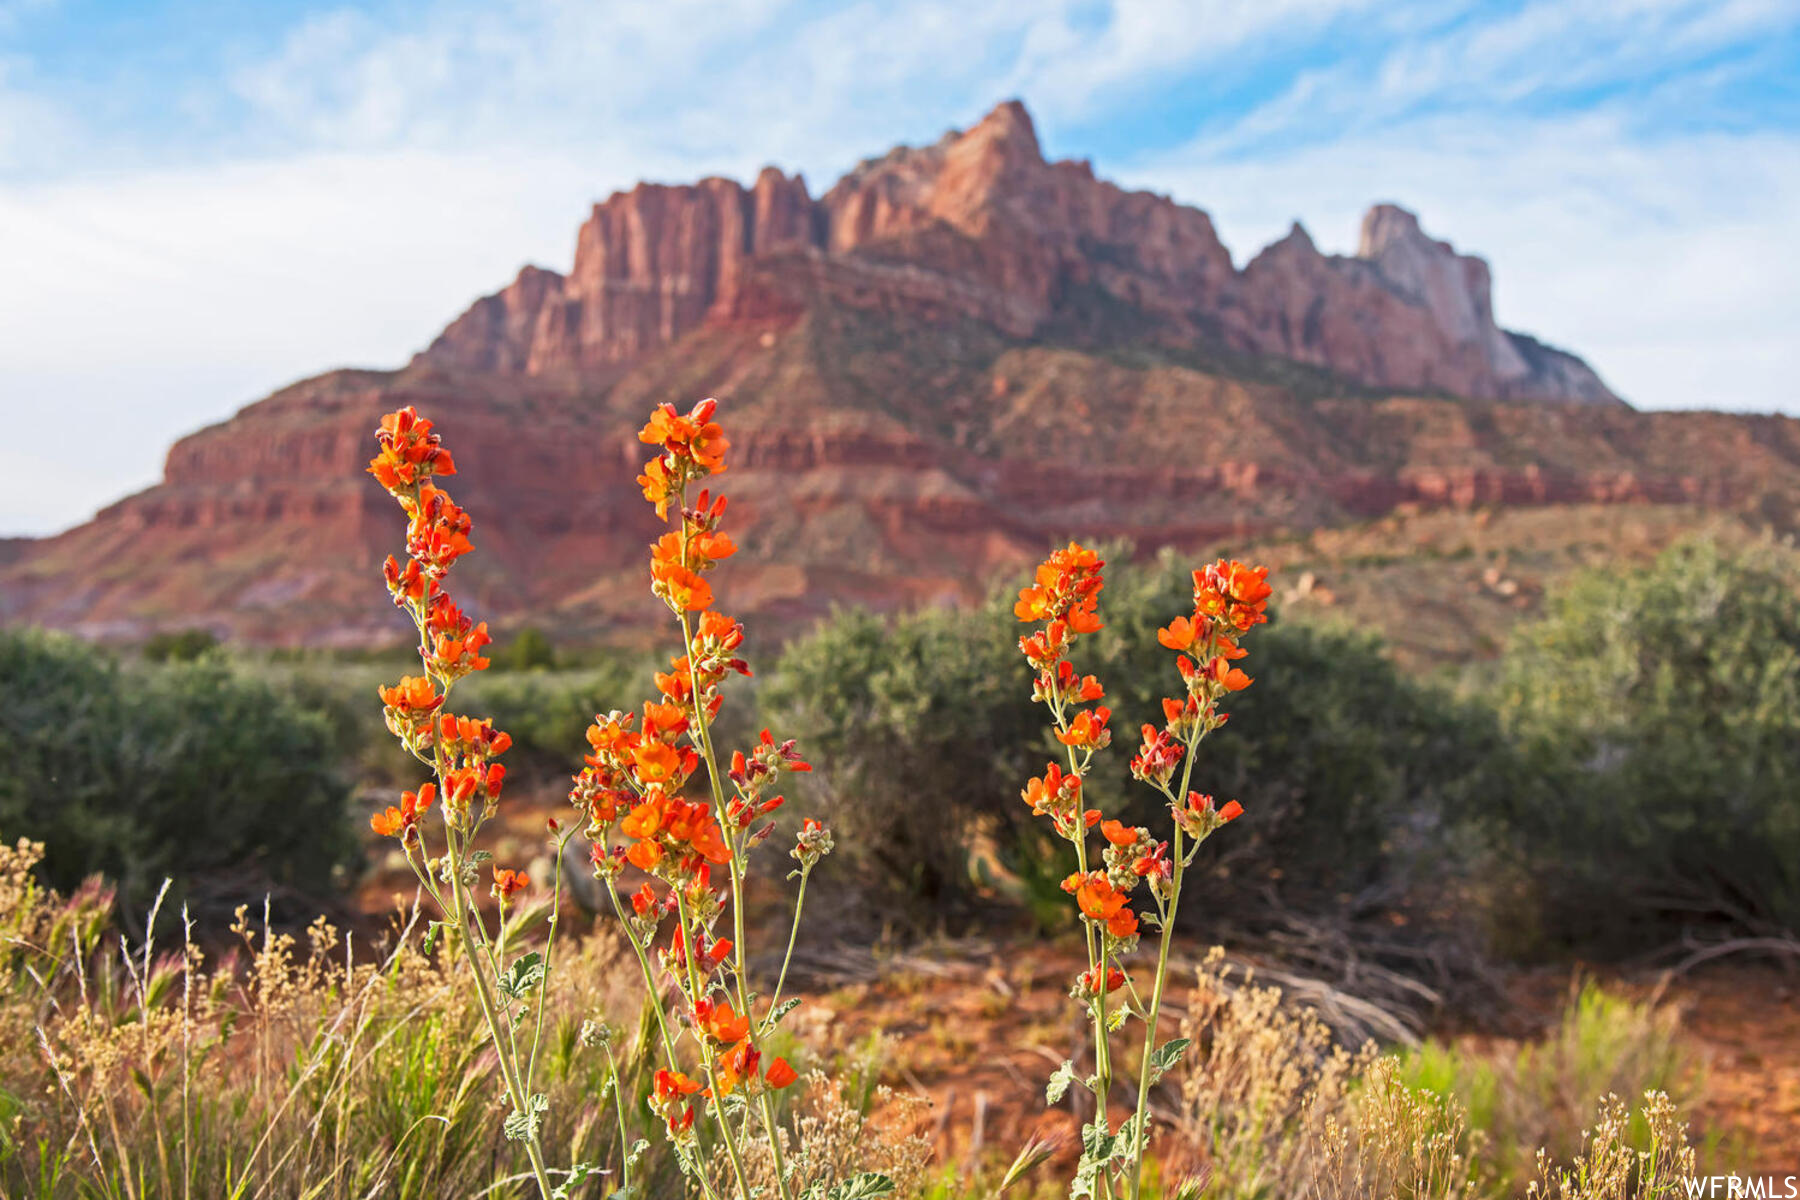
(200, 202)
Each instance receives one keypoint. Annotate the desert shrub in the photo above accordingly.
(181, 645)
(1350, 771)
(192, 771)
(548, 711)
(1353, 774)
(530, 649)
(1662, 706)
(918, 736)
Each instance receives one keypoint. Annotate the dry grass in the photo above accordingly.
(1276, 1108)
(291, 1068)
(299, 1067)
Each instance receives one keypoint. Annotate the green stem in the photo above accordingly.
(650, 986)
(654, 993)
(537, 1031)
(508, 1069)
(1177, 858)
(737, 877)
(1096, 963)
(767, 1105)
(461, 911)
(689, 942)
(1140, 1135)
(793, 933)
(1096, 954)
(618, 1086)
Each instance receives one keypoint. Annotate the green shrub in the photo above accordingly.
(528, 650)
(1353, 775)
(1662, 706)
(183, 645)
(548, 712)
(923, 730)
(918, 727)
(194, 771)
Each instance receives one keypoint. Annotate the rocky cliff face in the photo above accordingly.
(956, 356)
(980, 225)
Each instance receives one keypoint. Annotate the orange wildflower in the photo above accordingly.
(1115, 979)
(710, 546)
(1053, 790)
(694, 436)
(1231, 591)
(1154, 865)
(409, 453)
(1065, 587)
(673, 1084)
(1118, 833)
(643, 901)
(684, 590)
(1181, 633)
(659, 486)
(1156, 760)
(668, 1095)
(1034, 604)
(609, 736)
(1197, 816)
(1096, 896)
(645, 855)
(736, 1065)
(409, 586)
(663, 719)
(646, 820)
(1227, 676)
(397, 821)
(414, 693)
(508, 882)
(1087, 729)
(722, 1023)
(656, 762)
(780, 1074)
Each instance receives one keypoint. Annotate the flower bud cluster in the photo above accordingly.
(813, 843)
(409, 461)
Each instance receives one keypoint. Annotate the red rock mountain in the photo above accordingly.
(980, 226)
(954, 356)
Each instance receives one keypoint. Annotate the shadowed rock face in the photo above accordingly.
(955, 357)
(980, 225)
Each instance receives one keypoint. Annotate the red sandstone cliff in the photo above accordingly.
(980, 225)
(957, 355)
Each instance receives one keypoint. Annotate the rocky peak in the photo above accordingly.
(1456, 289)
(1386, 225)
(979, 224)
(497, 331)
(1010, 126)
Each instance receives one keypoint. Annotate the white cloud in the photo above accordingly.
(141, 306)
